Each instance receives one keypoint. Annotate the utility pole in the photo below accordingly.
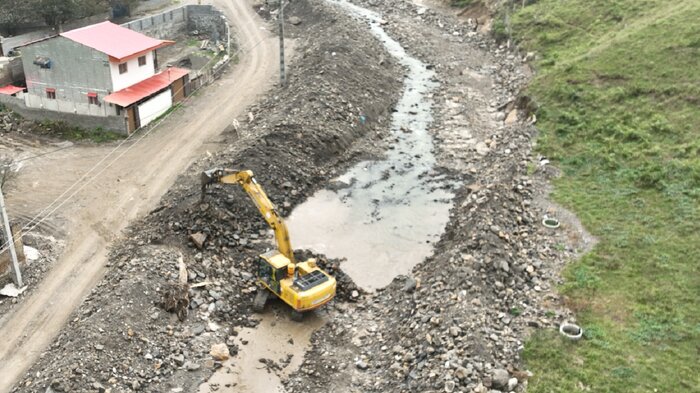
(10, 243)
(280, 16)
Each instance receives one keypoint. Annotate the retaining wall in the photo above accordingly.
(167, 24)
(111, 123)
(163, 25)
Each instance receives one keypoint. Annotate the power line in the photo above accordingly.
(31, 225)
(43, 154)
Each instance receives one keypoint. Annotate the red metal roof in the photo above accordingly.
(117, 42)
(146, 87)
(10, 90)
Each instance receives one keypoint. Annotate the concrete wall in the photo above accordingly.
(162, 25)
(134, 73)
(168, 24)
(10, 100)
(17, 69)
(5, 74)
(10, 43)
(111, 123)
(75, 71)
(11, 70)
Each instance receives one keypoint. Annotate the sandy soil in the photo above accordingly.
(127, 183)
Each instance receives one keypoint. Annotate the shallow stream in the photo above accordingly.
(383, 218)
(385, 215)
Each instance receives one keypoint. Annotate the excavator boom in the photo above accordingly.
(304, 286)
(259, 198)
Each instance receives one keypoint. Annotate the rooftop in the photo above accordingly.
(117, 42)
(146, 87)
(10, 89)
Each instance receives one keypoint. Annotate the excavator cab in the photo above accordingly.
(272, 269)
(303, 286)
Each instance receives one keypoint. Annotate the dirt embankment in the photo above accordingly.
(458, 323)
(341, 88)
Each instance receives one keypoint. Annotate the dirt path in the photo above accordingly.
(129, 187)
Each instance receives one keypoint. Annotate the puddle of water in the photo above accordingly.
(392, 211)
(275, 338)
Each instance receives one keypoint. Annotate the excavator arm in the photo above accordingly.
(259, 198)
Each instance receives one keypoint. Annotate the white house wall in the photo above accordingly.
(134, 73)
(156, 106)
(72, 104)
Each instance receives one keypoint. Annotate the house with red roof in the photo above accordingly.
(102, 70)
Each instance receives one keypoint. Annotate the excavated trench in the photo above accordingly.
(382, 217)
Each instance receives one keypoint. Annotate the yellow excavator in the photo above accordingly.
(302, 285)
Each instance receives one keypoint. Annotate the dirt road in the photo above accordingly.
(131, 186)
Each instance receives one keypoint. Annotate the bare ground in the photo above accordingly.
(128, 183)
(294, 139)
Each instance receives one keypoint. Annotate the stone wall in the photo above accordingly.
(209, 20)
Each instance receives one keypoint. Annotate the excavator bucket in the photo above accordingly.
(210, 176)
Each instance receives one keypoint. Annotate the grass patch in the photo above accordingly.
(69, 132)
(462, 3)
(618, 88)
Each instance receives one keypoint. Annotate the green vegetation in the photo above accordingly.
(618, 88)
(54, 13)
(72, 133)
(461, 3)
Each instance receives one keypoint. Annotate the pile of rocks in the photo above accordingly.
(9, 121)
(294, 139)
(459, 322)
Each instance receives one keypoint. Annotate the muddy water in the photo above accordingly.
(385, 216)
(381, 216)
(278, 339)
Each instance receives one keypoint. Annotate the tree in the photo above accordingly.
(123, 7)
(13, 13)
(54, 12)
(57, 12)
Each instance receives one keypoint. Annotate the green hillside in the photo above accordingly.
(618, 88)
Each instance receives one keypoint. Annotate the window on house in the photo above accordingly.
(92, 99)
(122, 68)
(142, 61)
(51, 93)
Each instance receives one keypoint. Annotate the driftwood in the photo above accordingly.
(176, 297)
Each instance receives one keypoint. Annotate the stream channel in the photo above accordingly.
(383, 220)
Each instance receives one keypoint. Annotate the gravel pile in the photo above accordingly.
(295, 139)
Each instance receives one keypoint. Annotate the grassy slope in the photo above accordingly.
(619, 91)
